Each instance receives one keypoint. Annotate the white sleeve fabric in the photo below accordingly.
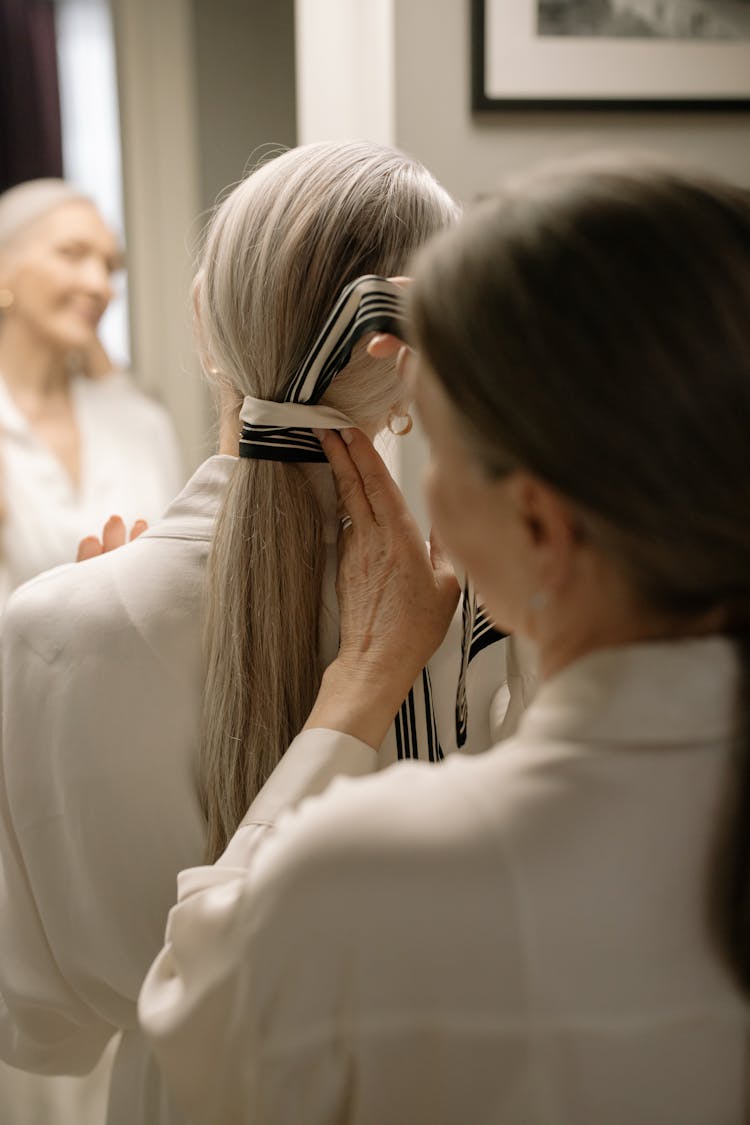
(92, 796)
(98, 810)
(186, 997)
(64, 1034)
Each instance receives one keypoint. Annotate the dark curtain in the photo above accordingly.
(30, 133)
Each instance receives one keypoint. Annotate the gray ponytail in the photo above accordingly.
(278, 252)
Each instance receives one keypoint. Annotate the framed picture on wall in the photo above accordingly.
(601, 54)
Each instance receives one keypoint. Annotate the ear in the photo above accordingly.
(405, 374)
(550, 526)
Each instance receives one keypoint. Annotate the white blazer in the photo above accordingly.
(514, 939)
(102, 676)
(129, 466)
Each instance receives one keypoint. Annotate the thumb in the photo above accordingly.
(89, 548)
(438, 555)
(441, 564)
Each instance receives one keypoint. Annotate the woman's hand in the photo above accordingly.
(383, 345)
(113, 536)
(396, 598)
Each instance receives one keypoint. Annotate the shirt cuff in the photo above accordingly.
(314, 759)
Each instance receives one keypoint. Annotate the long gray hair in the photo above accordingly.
(278, 251)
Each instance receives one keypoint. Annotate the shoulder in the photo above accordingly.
(58, 616)
(40, 606)
(136, 595)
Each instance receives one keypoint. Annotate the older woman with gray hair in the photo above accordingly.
(151, 692)
(557, 930)
(78, 441)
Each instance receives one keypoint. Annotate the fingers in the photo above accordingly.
(365, 487)
(384, 346)
(443, 570)
(380, 489)
(438, 556)
(113, 535)
(349, 486)
(137, 529)
(89, 548)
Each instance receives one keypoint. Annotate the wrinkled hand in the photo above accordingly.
(396, 597)
(113, 536)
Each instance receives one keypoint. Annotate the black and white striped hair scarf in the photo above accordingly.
(478, 633)
(282, 431)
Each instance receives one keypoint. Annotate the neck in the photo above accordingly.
(229, 427)
(607, 613)
(29, 366)
(556, 650)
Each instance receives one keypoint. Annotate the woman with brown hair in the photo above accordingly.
(583, 890)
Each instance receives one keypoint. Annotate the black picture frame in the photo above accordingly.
(483, 101)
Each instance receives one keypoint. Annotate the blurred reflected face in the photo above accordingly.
(60, 271)
(475, 516)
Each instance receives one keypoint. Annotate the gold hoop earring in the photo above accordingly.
(6, 298)
(399, 424)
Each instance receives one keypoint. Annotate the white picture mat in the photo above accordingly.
(520, 64)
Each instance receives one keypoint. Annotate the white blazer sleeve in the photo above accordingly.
(62, 1034)
(97, 816)
(187, 995)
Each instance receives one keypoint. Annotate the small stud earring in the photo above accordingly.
(399, 424)
(6, 298)
(539, 601)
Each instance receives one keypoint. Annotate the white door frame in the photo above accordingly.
(162, 201)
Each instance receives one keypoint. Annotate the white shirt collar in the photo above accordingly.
(193, 513)
(657, 692)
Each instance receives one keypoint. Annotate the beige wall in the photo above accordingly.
(208, 81)
(203, 84)
(160, 190)
(470, 153)
(244, 77)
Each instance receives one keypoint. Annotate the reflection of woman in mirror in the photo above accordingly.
(78, 440)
